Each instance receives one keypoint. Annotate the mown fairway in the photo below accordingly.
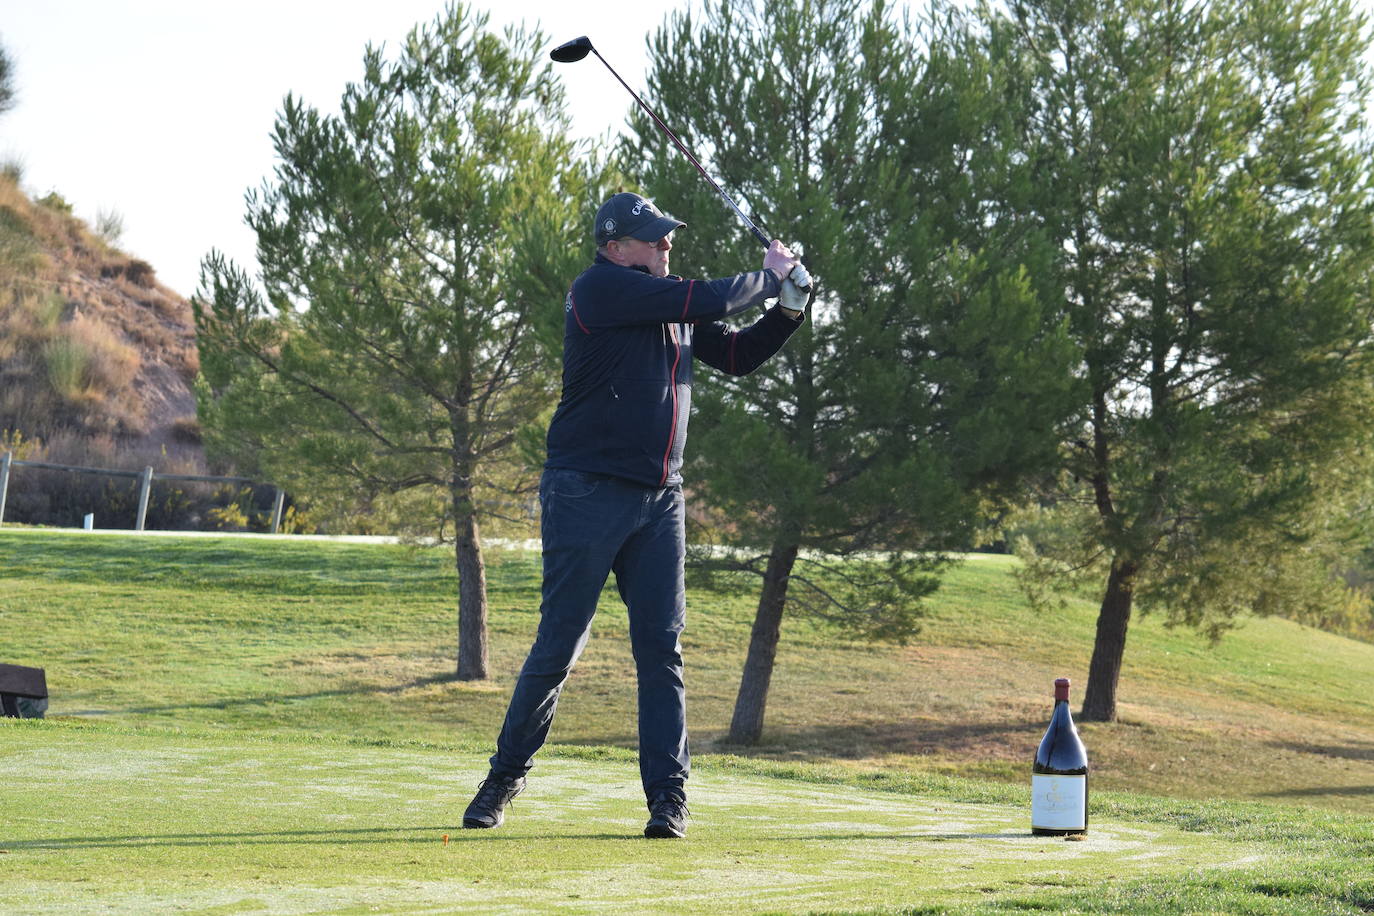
(269, 726)
(150, 821)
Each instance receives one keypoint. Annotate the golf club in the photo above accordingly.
(578, 48)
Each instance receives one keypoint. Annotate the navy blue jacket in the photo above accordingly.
(628, 343)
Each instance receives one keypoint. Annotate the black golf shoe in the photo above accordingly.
(667, 819)
(488, 808)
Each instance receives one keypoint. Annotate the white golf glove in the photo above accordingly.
(796, 290)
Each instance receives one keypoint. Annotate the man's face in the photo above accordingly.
(651, 255)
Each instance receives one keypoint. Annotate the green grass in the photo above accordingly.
(241, 720)
(359, 639)
(68, 362)
(110, 818)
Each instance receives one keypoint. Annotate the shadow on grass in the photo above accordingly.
(429, 835)
(360, 690)
(1362, 750)
(370, 835)
(908, 837)
(243, 567)
(1005, 739)
(1322, 791)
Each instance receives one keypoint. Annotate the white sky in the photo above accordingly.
(162, 110)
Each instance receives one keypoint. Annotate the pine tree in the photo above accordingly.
(414, 250)
(929, 376)
(1203, 169)
(6, 81)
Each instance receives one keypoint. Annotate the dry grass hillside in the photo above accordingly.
(96, 356)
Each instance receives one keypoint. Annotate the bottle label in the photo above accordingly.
(1059, 802)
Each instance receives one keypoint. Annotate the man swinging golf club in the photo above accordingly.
(611, 491)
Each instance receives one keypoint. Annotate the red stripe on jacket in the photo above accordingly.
(576, 317)
(672, 382)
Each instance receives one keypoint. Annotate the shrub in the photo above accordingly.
(14, 442)
(250, 509)
(20, 255)
(230, 517)
(13, 223)
(47, 308)
(109, 225)
(55, 202)
(66, 361)
(140, 273)
(111, 363)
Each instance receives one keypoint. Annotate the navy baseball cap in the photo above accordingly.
(628, 214)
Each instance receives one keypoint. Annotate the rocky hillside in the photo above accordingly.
(97, 357)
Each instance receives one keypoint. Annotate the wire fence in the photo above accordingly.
(145, 478)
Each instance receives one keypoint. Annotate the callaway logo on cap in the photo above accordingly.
(628, 214)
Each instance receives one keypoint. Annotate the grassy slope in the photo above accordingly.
(268, 726)
(357, 640)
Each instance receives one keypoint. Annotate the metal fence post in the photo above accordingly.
(276, 510)
(145, 485)
(4, 482)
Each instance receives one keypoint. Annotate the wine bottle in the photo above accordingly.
(1059, 778)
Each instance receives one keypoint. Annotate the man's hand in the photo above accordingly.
(780, 260)
(796, 292)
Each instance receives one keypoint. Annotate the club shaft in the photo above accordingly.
(758, 233)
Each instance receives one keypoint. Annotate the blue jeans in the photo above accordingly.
(593, 524)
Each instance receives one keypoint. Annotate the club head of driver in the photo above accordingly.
(573, 50)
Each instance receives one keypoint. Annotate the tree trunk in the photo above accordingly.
(472, 592)
(747, 723)
(1099, 699)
